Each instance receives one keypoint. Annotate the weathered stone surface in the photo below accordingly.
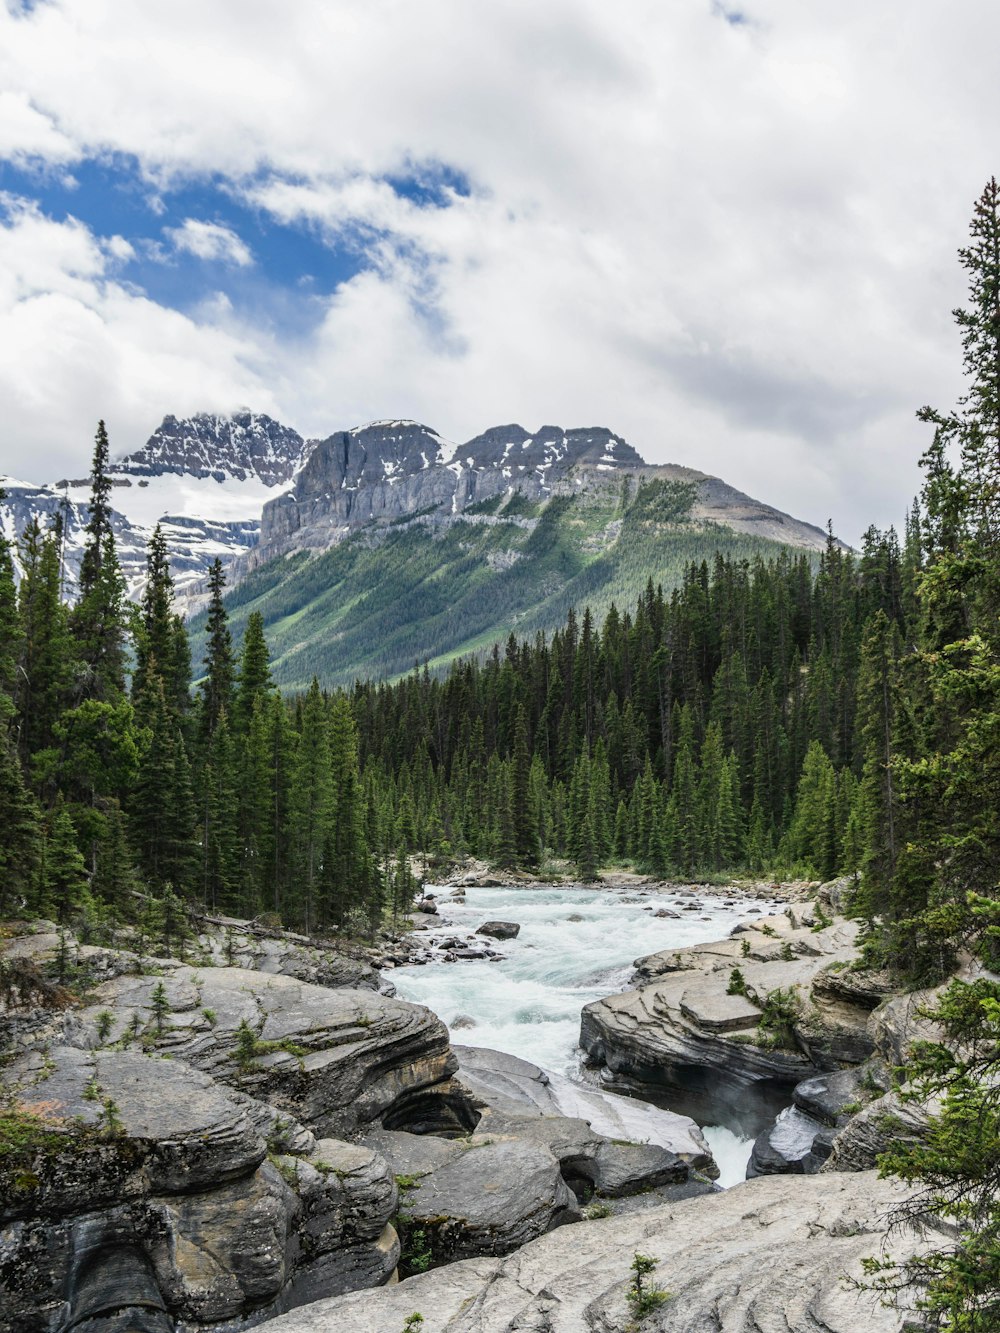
(713, 1010)
(224, 1250)
(478, 1196)
(680, 1031)
(181, 1176)
(788, 1147)
(241, 944)
(505, 1085)
(893, 1026)
(632, 1168)
(825, 1096)
(354, 1054)
(756, 1258)
(156, 1139)
(169, 1128)
(874, 1129)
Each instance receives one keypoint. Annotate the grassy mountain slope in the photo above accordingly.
(419, 589)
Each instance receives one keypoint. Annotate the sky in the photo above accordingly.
(728, 234)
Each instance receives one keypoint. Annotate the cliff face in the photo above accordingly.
(391, 470)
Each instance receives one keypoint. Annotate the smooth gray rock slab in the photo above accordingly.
(511, 1086)
(758, 1258)
(477, 1196)
(628, 1168)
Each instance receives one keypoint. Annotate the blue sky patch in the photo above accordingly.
(294, 265)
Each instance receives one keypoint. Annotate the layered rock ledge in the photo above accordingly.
(211, 1146)
(696, 1028)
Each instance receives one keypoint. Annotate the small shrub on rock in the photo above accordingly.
(643, 1295)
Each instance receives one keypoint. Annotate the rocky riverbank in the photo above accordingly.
(205, 1145)
(256, 1131)
(780, 1013)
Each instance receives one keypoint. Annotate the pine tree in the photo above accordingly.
(21, 825)
(10, 627)
(98, 619)
(217, 686)
(525, 820)
(255, 673)
(311, 810)
(348, 873)
(729, 818)
(155, 640)
(811, 831)
(46, 667)
(64, 877)
(256, 798)
(115, 882)
(685, 812)
(218, 820)
(161, 810)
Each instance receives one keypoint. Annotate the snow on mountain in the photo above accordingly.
(205, 479)
(243, 446)
(389, 470)
(244, 488)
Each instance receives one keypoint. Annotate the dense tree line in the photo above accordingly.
(714, 729)
(747, 721)
(125, 794)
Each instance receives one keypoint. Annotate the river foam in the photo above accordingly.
(576, 945)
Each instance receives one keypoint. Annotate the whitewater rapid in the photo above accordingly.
(575, 945)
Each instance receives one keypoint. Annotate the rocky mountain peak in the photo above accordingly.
(241, 445)
(551, 447)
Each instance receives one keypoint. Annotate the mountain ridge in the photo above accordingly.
(387, 469)
(247, 489)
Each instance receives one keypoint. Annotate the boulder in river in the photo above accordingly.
(789, 1146)
(500, 930)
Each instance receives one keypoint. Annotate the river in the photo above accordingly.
(575, 945)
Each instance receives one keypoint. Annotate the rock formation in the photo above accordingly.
(223, 1142)
(730, 1020)
(390, 470)
(760, 1256)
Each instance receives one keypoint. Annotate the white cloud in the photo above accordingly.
(77, 345)
(27, 134)
(210, 240)
(732, 243)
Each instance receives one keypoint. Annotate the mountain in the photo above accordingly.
(389, 470)
(205, 479)
(393, 545)
(387, 544)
